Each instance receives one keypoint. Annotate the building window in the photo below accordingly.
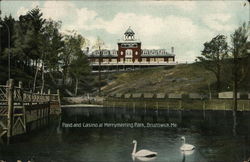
(128, 60)
(136, 53)
(106, 60)
(113, 60)
(129, 53)
(170, 59)
(160, 59)
(121, 53)
(144, 59)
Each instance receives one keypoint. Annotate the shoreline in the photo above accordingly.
(151, 108)
(80, 105)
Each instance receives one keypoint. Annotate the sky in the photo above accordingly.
(185, 25)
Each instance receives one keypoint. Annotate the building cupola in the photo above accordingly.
(129, 34)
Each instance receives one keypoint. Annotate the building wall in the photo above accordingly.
(134, 59)
(136, 52)
(134, 55)
(103, 59)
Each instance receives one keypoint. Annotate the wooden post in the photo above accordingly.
(180, 105)
(31, 97)
(204, 111)
(133, 107)
(38, 97)
(10, 109)
(180, 110)
(43, 111)
(58, 95)
(59, 101)
(49, 95)
(224, 108)
(157, 107)
(168, 109)
(48, 114)
(20, 85)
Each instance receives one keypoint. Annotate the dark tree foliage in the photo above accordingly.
(213, 56)
(41, 55)
(240, 66)
(10, 22)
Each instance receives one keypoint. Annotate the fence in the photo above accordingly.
(18, 107)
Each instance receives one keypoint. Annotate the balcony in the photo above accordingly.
(133, 63)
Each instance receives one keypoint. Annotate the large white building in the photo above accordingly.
(130, 53)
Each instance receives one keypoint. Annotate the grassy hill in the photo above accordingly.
(181, 78)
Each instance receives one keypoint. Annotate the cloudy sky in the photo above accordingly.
(186, 25)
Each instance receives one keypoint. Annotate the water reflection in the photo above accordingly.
(186, 153)
(212, 137)
(191, 123)
(143, 158)
(215, 122)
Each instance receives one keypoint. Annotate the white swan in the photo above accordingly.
(142, 153)
(186, 147)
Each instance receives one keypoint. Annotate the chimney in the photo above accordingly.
(172, 49)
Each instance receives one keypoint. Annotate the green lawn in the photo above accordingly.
(181, 78)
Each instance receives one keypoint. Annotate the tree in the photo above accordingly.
(38, 50)
(99, 44)
(6, 30)
(35, 38)
(79, 68)
(28, 41)
(10, 22)
(240, 66)
(54, 44)
(52, 48)
(18, 47)
(213, 56)
(73, 44)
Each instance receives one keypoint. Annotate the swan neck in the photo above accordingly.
(184, 141)
(134, 150)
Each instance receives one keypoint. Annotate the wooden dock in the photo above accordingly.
(19, 108)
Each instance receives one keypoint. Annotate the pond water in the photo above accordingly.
(89, 134)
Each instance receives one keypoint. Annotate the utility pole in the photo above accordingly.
(0, 29)
(99, 70)
(8, 29)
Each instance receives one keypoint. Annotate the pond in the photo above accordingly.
(106, 134)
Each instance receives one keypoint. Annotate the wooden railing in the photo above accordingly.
(3, 93)
(19, 95)
(14, 101)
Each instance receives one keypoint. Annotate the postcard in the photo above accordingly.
(123, 81)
